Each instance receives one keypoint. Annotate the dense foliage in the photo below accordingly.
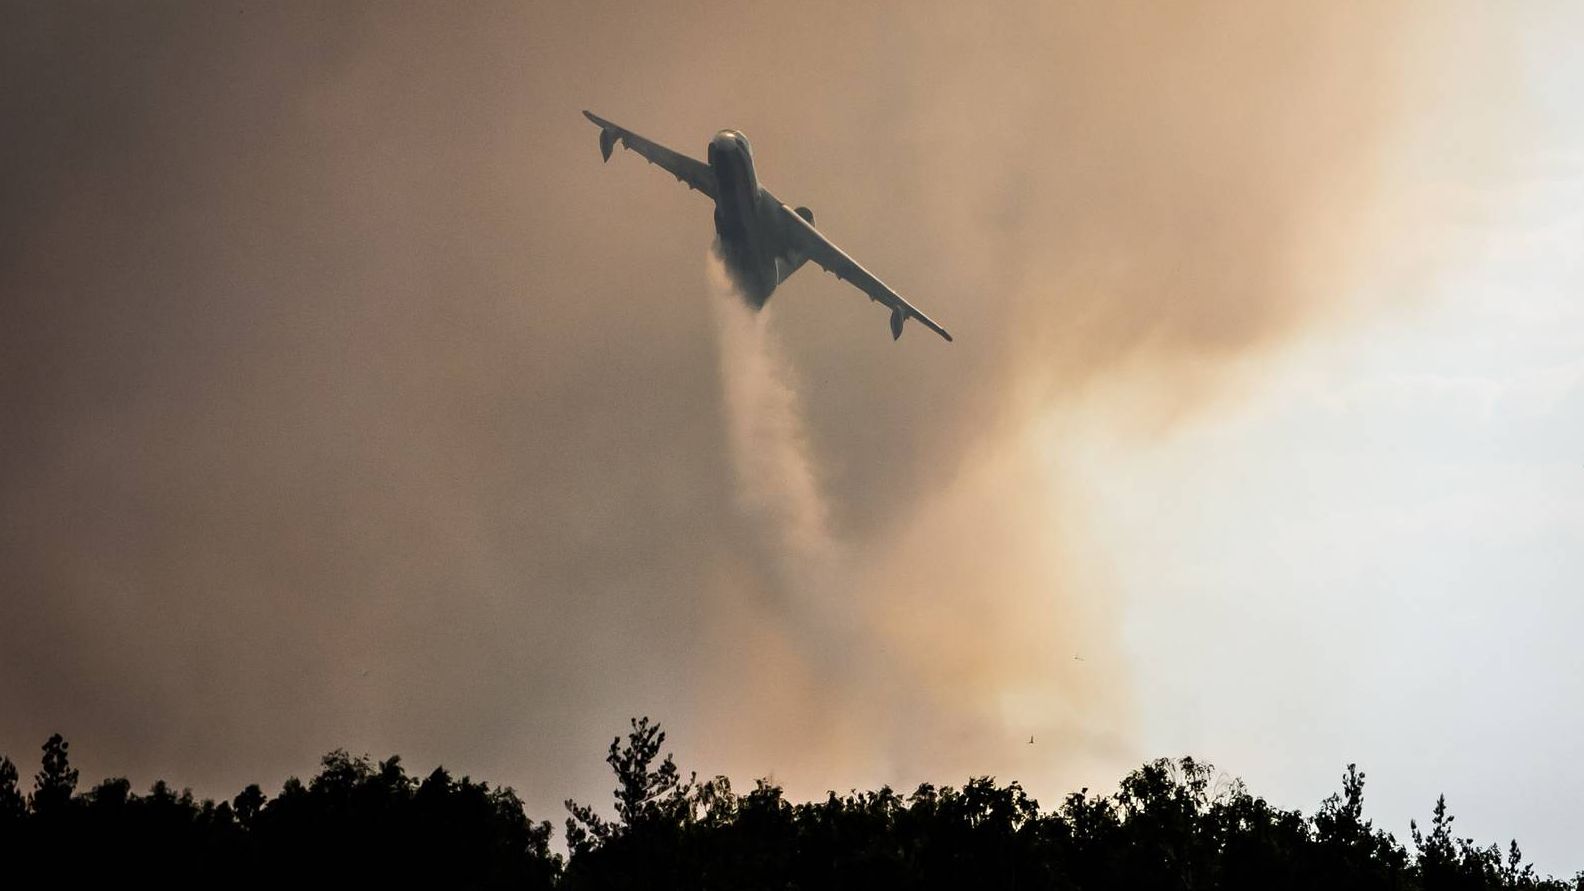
(1171, 824)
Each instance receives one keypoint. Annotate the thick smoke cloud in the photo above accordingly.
(346, 399)
(861, 653)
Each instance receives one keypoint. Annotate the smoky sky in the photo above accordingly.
(348, 399)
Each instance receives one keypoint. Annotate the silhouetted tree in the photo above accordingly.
(1170, 825)
(1348, 850)
(654, 807)
(247, 804)
(13, 807)
(56, 780)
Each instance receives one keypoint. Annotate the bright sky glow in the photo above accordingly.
(1379, 556)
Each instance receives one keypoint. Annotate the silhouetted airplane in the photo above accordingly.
(762, 240)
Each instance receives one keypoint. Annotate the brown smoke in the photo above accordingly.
(934, 648)
(347, 399)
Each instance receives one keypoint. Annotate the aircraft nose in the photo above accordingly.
(724, 141)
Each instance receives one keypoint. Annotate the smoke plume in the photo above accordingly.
(869, 665)
(348, 399)
(777, 486)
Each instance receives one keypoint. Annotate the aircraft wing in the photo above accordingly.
(809, 242)
(691, 173)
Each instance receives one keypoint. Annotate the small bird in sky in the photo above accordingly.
(1031, 740)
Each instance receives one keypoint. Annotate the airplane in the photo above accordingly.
(761, 239)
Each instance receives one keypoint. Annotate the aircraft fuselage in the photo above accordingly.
(747, 226)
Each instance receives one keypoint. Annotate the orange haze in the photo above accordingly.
(347, 399)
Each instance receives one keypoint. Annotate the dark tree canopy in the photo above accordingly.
(363, 823)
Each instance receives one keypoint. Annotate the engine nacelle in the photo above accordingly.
(898, 316)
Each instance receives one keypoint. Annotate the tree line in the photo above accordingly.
(1171, 824)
